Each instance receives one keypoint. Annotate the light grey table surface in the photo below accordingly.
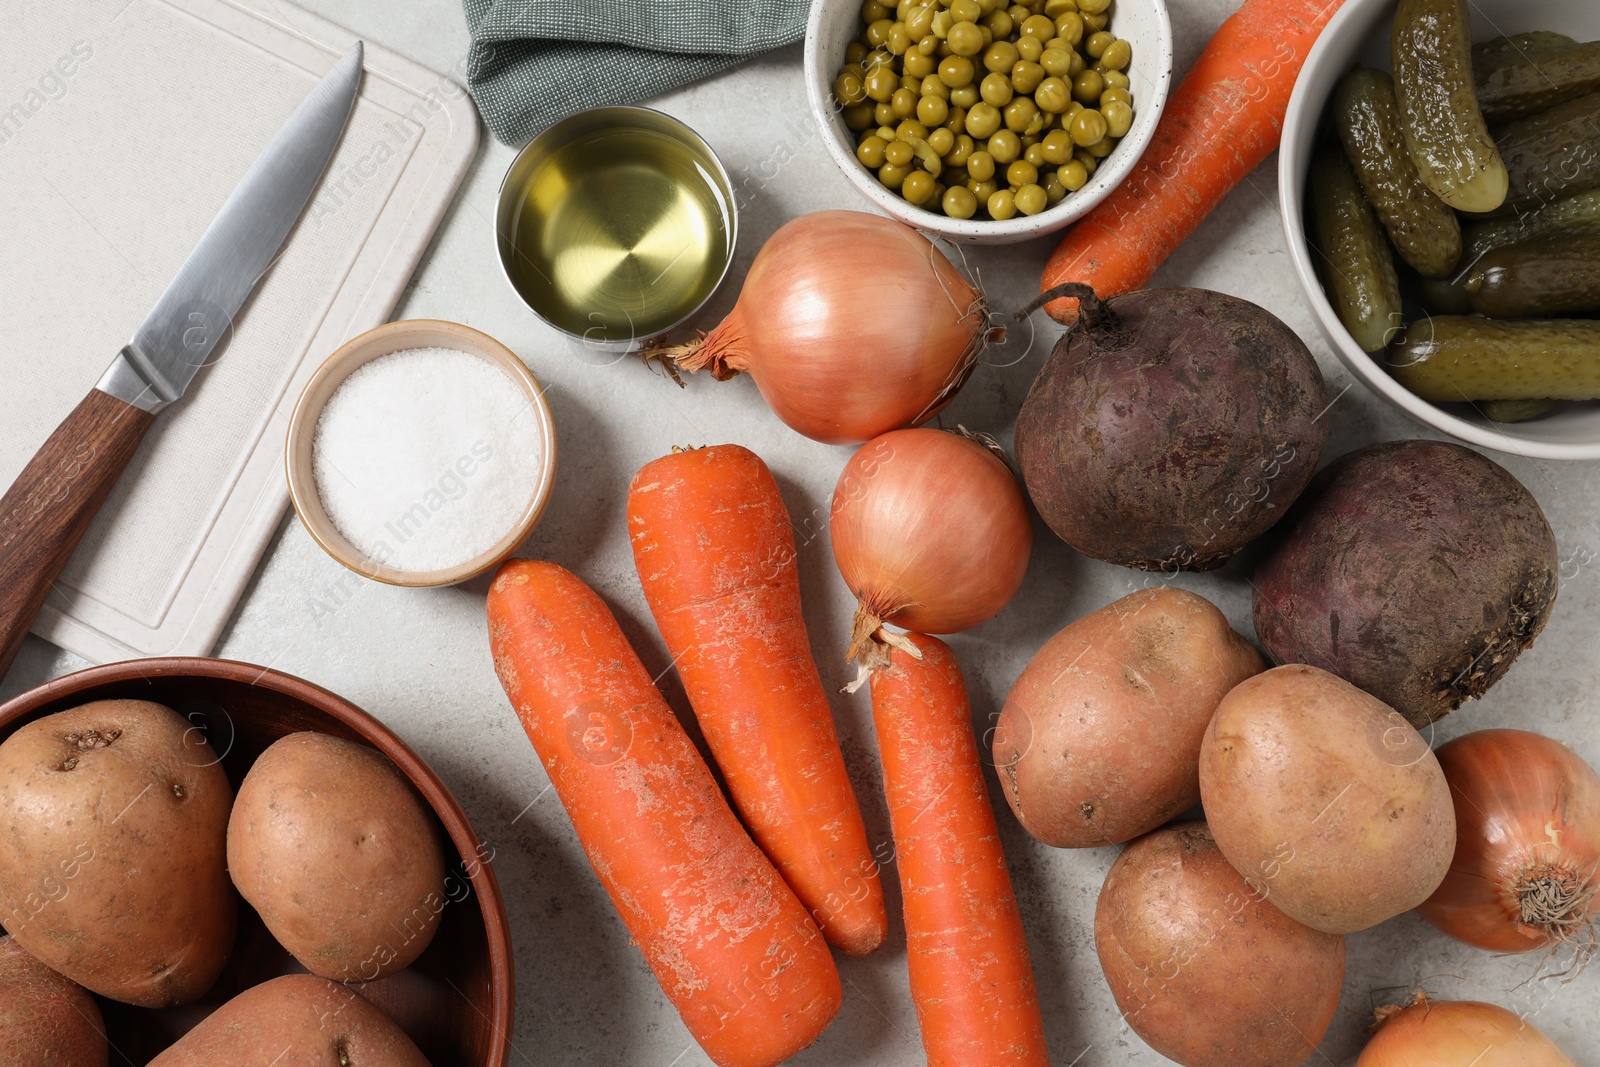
(418, 659)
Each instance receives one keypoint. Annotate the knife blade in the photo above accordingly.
(48, 508)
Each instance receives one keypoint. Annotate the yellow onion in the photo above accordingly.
(931, 532)
(851, 325)
(1527, 859)
(1457, 1033)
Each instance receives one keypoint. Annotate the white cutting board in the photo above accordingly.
(124, 124)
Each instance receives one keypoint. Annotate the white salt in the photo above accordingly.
(425, 458)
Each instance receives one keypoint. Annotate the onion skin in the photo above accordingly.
(1202, 967)
(930, 531)
(851, 325)
(1527, 812)
(1458, 1033)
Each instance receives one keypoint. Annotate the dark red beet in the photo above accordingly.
(1170, 427)
(1417, 570)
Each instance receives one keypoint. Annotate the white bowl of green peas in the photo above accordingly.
(984, 121)
(1361, 33)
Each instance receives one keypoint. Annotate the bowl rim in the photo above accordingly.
(987, 231)
(440, 799)
(1300, 131)
(362, 349)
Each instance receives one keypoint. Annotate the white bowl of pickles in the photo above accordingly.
(1440, 185)
(982, 121)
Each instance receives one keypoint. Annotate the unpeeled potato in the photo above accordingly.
(299, 1020)
(1326, 799)
(1202, 967)
(114, 817)
(45, 1020)
(1099, 740)
(332, 846)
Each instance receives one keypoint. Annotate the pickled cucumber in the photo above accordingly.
(1445, 132)
(1553, 154)
(1572, 217)
(1357, 266)
(1538, 279)
(1454, 357)
(1422, 227)
(1516, 410)
(1442, 296)
(1536, 41)
(1513, 85)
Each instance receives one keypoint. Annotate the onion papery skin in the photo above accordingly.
(1458, 1033)
(931, 532)
(1527, 808)
(851, 325)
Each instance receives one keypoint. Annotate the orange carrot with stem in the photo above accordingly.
(731, 945)
(971, 980)
(1222, 120)
(716, 556)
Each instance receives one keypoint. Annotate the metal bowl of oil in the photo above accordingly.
(616, 225)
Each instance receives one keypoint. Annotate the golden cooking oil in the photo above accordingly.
(619, 233)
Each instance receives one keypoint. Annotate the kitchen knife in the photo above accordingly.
(44, 514)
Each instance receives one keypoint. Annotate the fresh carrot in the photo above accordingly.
(1219, 124)
(716, 556)
(971, 981)
(731, 945)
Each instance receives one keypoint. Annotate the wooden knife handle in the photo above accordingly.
(44, 514)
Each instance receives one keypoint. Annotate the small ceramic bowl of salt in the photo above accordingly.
(421, 453)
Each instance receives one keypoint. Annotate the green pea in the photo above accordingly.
(956, 71)
(999, 57)
(980, 165)
(904, 102)
(1079, 65)
(942, 141)
(849, 89)
(1053, 189)
(1116, 79)
(1117, 56)
(887, 133)
(1034, 153)
(1119, 118)
(1055, 62)
(1002, 205)
(956, 121)
(1056, 147)
(918, 65)
(961, 154)
(908, 82)
(1087, 87)
(1073, 176)
(892, 175)
(982, 191)
(880, 84)
(1088, 161)
(965, 10)
(1030, 48)
(858, 117)
(1088, 127)
(1069, 27)
(1026, 76)
(899, 40)
(876, 58)
(988, 37)
(1019, 12)
(932, 86)
(872, 11)
(872, 152)
(919, 23)
(911, 130)
(999, 24)
(931, 111)
(965, 96)
(1038, 26)
(878, 32)
(1021, 173)
(965, 39)
(959, 203)
(1031, 199)
(942, 22)
(995, 90)
(917, 187)
(1097, 44)
(855, 52)
(898, 153)
(1021, 114)
(929, 46)
(1115, 96)
(1101, 148)
(983, 120)
(1053, 96)
(1056, 8)
(1095, 23)
(1005, 146)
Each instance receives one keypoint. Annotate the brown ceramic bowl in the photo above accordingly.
(456, 1000)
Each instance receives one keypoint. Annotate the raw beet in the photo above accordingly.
(1170, 427)
(1416, 570)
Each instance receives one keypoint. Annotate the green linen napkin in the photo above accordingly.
(535, 61)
